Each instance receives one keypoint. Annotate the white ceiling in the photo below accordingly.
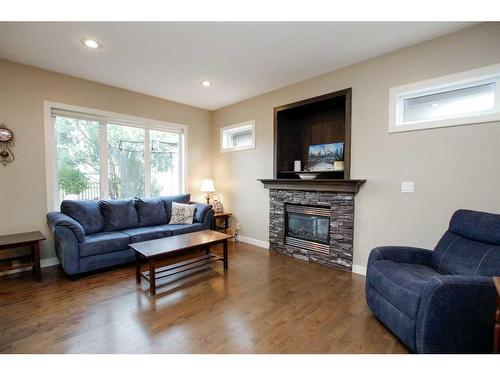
(169, 59)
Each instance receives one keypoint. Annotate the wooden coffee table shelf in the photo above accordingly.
(154, 251)
(188, 265)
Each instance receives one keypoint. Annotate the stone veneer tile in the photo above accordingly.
(341, 225)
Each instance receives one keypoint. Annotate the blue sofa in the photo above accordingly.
(91, 235)
(440, 301)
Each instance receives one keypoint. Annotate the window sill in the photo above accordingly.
(422, 125)
(237, 149)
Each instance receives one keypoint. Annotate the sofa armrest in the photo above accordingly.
(207, 220)
(201, 211)
(67, 249)
(456, 315)
(401, 254)
(57, 219)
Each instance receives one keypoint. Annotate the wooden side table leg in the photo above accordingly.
(207, 250)
(226, 258)
(37, 270)
(152, 278)
(226, 223)
(137, 267)
(496, 337)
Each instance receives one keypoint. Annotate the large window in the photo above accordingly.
(100, 158)
(460, 99)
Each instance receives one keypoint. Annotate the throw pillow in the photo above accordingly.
(182, 213)
(181, 198)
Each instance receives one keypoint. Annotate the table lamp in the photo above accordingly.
(207, 186)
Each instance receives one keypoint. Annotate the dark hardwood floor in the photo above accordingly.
(266, 303)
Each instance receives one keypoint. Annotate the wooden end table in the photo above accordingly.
(155, 250)
(496, 341)
(221, 215)
(18, 240)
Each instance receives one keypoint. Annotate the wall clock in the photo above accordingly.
(6, 141)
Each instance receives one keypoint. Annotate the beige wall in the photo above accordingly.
(23, 89)
(452, 167)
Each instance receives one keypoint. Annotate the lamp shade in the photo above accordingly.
(207, 186)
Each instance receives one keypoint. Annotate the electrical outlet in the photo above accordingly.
(407, 187)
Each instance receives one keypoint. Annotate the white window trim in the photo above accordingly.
(466, 79)
(118, 118)
(235, 126)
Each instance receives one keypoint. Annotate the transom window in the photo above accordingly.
(460, 99)
(99, 158)
(238, 137)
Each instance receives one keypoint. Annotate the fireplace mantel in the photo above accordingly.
(344, 186)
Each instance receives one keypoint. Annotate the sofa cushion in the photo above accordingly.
(167, 201)
(104, 242)
(151, 211)
(119, 214)
(458, 255)
(86, 212)
(401, 284)
(146, 233)
(175, 229)
(101, 261)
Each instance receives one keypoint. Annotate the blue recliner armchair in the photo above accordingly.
(440, 301)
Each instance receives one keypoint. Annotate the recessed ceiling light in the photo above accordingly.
(206, 83)
(90, 43)
(434, 105)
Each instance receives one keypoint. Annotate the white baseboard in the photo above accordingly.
(360, 270)
(47, 262)
(253, 241)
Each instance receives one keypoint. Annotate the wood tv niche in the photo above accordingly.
(320, 120)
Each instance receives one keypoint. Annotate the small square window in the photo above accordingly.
(466, 98)
(238, 137)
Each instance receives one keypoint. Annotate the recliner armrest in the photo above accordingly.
(401, 254)
(57, 219)
(456, 314)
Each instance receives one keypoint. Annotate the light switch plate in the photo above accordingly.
(407, 187)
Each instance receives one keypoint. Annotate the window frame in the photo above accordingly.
(234, 127)
(103, 117)
(470, 78)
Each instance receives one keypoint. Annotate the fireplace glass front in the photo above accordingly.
(308, 227)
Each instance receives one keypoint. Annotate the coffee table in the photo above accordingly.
(153, 251)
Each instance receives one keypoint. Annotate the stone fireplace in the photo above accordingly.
(316, 226)
(311, 214)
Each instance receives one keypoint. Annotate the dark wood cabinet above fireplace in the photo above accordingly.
(320, 120)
